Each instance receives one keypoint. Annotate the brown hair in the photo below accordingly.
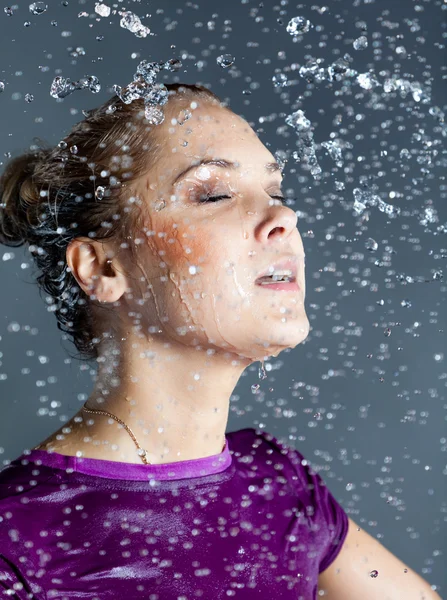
(50, 196)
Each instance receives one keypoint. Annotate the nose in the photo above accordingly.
(279, 222)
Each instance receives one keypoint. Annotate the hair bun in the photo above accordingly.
(18, 193)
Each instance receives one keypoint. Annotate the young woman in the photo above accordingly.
(159, 245)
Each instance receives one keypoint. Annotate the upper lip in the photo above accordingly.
(287, 264)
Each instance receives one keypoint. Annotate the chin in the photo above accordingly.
(294, 336)
(275, 344)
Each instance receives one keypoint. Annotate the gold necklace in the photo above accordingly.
(140, 451)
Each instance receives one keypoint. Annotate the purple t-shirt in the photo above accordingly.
(251, 522)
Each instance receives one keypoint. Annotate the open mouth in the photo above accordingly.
(269, 279)
(281, 275)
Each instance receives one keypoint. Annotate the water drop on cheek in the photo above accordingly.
(160, 205)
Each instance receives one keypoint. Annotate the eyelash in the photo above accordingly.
(216, 198)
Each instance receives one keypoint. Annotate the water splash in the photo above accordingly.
(132, 23)
(63, 87)
(37, 8)
(298, 25)
(144, 86)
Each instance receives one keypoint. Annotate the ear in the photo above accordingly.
(95, 268)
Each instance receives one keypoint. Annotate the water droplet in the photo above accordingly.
(62, 87)
(361, 43)
(29, 97)
(173, 64)
(367, 81)
(102, 9)
(255, 388)
(100, 192)
(37, 8)
(280, 80)
(183, 116)
(298, 25)
(74, 149)
(312, 71)
(153, 114)
(132, 23)
(374, 573)
(371, 245)
(298, 121)
(225, 60)
(8, 10)
(2, 86)
(160, 205)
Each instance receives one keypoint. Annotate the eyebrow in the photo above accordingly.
(270, 167)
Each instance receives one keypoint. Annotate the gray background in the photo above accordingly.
(364, 397)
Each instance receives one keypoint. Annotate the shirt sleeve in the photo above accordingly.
(13, 584)
(336, 519)
(311, 487)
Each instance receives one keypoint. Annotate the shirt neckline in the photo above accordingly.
(109, 469)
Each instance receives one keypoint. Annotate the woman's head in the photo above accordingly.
(126, 247)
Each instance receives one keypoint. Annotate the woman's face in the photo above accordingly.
(198, 261)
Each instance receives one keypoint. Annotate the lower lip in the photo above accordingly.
(286, 287)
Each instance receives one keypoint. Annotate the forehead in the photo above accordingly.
(210, 131)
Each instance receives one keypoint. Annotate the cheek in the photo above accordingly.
(184, 246)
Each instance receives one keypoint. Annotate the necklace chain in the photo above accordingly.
(140, 451)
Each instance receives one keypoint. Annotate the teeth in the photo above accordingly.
(276, 277)
(284, 275)
(279, 277)
(280, 273)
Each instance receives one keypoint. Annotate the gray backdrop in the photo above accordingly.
(364, 397)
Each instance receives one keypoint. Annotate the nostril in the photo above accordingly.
(274, 230)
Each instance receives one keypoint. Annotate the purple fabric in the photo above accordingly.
(252, 522)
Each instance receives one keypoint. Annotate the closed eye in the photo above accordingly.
(218, 198)
(282, 198)
(212, 199)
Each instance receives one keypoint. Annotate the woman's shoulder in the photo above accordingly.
(251, 438)
(21, 476)
(275, 456)
(269, 455)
